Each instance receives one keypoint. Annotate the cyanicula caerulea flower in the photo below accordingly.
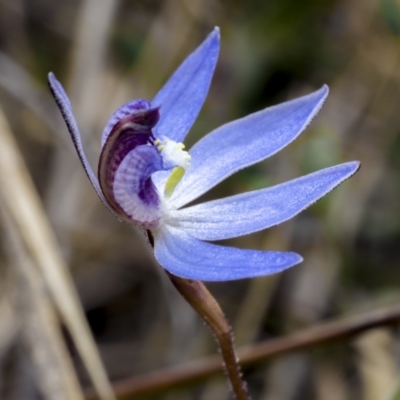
(145, 176)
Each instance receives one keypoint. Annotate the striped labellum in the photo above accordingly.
(128, 159)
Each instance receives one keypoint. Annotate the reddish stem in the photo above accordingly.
(198, 296)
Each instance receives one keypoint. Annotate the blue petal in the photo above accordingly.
(185, 256)
(66, 110)
(245, 142)
(253, 211)
(182, 97)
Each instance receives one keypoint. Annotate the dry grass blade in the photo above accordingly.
(375, 361)
(394, 394)
(40, 331)
(24, 208)
(10, 324)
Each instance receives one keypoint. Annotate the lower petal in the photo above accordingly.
(185, 256)
(253, 211)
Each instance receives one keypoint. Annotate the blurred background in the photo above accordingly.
(106, 52)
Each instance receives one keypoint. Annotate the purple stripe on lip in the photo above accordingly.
(122, 112)
(128, 133)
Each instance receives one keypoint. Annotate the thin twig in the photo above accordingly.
(249, 355)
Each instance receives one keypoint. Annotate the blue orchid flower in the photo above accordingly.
(145, 176)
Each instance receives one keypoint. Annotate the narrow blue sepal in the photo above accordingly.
(253, 211)
(185, 256)
(182, 97)
(245, 142)
(64, 105)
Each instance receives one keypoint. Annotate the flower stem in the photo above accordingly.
(198, 296)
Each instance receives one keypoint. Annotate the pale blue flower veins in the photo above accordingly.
(145, 176)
